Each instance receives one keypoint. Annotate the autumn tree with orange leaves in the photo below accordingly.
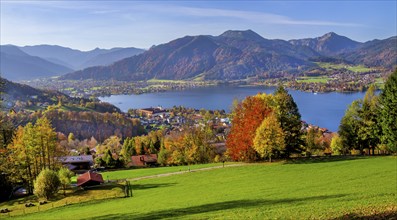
(247, 117)
(249, 114)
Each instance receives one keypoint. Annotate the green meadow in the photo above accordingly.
(353, 68)
(352, 187)
(142, 172)
(313, 79)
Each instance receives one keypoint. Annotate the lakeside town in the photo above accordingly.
(333, 78)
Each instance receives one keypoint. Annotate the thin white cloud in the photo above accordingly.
(102, 12)
(256, 17)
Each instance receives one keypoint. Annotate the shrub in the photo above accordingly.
(46, 184)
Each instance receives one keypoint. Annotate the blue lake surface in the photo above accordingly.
(323, 109)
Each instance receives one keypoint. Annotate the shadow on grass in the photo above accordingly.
(23, 200)
(378, 216)
(150, 186)
(228, 205)
(102, 187)
(325, 159)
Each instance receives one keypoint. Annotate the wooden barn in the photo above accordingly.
(89, 179)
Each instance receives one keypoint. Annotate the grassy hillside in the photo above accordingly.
(353, 68)
(362, 186)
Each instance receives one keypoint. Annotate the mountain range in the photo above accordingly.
(32, 62)
(233, 55)
(18, 65)
(76, 59)
(237, 55)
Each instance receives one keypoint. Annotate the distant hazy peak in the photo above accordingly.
(11, 49)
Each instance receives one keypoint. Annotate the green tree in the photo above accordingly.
(46, 184)
(269, 138)
(108, 159)
(288, 115)
(337, 145)
(112, 144)
(128, 149)
(349, 126)
(388, 113)
(359, 128)
(368, 131)
(65, 176)
(163, 155)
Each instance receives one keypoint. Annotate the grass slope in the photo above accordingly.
(135, 173)
(324, 190)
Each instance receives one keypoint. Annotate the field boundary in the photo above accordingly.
(185, 171)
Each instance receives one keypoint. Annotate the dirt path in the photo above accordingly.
(187, 171)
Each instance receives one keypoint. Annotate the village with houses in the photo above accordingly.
(167, 121)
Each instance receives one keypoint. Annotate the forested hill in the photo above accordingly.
(375, 53)
(13, 93)
(23, 97)
(85, 118)
(84, 124)
(236, 55)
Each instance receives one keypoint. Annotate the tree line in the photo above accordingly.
(371, 123)
(84, 124)
(192, 145)
(268, 126)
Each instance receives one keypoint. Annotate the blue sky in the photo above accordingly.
(85, 25)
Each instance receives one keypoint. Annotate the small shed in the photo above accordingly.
(144, 160)
(89, 179)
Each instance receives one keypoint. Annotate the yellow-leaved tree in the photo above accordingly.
(269, 138)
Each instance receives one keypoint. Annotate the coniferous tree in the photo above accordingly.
(388, 113)
(288, 115)
(368, 131)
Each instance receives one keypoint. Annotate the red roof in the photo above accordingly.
(89, 178)
(143, 160)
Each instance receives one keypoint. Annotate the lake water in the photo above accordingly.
(323, 109)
